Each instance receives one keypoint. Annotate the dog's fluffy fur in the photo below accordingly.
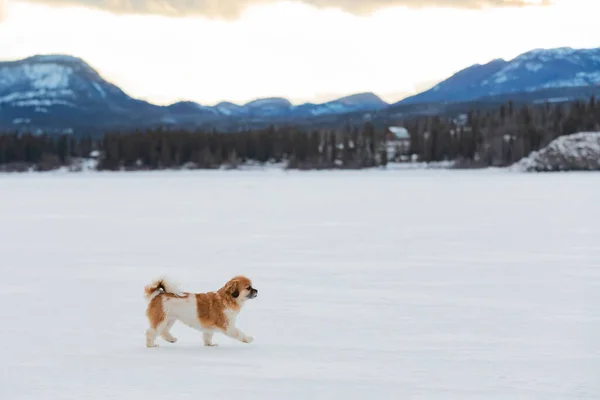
(207, 312)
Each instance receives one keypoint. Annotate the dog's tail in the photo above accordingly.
(160, 285)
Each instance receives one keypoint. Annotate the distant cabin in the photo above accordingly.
(398, 143)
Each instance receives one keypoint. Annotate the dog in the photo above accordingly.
(206, 312)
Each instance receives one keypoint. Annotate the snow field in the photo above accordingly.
(372, 285)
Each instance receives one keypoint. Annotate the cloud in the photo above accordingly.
(232, 8)
(2, 9)
(362, 6)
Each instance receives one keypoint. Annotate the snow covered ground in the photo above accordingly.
(372, 285)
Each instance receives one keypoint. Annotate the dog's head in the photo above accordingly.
(240, 288)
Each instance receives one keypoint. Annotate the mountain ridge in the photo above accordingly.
(531, 71)
(63, 93)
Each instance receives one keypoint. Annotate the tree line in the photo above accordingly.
(502, 136)
(24, 151)
(478, 138)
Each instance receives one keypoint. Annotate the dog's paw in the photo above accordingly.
(171, 340)
(248, 339)
(151, 345)
(211, 344)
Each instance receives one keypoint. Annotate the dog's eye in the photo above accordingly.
(249, 288)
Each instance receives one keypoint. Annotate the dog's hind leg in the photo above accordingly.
(160, 329)
(151, 337)
(156, 319)
(165, 334)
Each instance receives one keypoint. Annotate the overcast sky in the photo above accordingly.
(309, 50)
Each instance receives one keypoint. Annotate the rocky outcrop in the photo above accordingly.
(576, 152)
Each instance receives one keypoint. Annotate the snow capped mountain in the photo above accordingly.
(279, 107)
(47, 81)
(268, 107)
(353, 103)
(533, 71)
(362, 100)
(260, 107)
(60, 93)
(227, 108)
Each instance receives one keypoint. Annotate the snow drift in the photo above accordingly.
(576, 152)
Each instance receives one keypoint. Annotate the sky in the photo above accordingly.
(209, 51)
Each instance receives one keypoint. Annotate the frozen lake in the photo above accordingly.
(372, 285)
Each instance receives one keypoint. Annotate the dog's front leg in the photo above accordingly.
(237, 334)
(208, 339)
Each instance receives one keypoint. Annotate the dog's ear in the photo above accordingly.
(231, 288)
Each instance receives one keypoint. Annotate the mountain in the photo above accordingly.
(353, 103)
(534, 71)
(268, 107)
(61, 93)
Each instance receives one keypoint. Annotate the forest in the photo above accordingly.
(476, 139)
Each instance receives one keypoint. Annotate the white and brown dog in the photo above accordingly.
(207, 312)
